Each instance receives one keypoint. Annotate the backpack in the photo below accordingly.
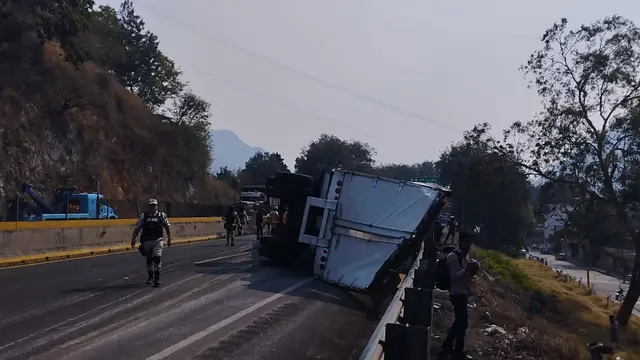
(443, 279)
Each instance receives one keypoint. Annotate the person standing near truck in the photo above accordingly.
(437, 232)
(230, 222)
(460, 270)
(451, 229)
(259, 222)
(152, 224)
(243, 220)
(274, 219)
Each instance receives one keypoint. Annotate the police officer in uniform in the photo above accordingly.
(152, 224)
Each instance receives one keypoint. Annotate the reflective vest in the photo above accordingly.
(152, 226)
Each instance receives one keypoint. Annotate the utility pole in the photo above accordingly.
(98, 204)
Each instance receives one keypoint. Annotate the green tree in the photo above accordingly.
(144, 69)
(64, 21)
(589, 81)
(193, 112)
(489, 191)
(330, 152)
(229, 177)
(260, 167)
(110, 50)
(425, 169)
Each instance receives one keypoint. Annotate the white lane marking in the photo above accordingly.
(243, 252)
(168, 268)
(130, 322)
(158, 318)
(195, 337)
(94, 319)
(132, 251)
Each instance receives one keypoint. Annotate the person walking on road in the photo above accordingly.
(243, 219)
(259, 222)
(152, 224)
(461, 270)
(230, 222)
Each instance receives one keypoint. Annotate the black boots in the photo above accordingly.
(154, 278)
(156, 281)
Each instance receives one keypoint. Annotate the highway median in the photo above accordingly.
(42, 242)
(89, 252)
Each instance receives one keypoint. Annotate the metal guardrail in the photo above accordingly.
(404, 332)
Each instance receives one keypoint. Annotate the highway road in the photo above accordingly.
(216, 302)
(603, 284)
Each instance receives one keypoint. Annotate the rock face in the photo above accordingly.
(62, 126)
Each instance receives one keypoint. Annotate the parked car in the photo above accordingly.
(561, 256)
(544, 251)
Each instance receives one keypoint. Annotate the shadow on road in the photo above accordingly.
(270, 277)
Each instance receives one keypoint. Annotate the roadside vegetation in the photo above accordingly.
(545, 315)
(86, 94)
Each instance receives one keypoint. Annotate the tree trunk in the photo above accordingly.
(626, 309)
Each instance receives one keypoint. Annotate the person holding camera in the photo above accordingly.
(461, 270)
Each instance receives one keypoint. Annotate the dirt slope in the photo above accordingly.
(61, 125)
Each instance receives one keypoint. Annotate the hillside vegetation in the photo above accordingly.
(87, 95)
(524, 310)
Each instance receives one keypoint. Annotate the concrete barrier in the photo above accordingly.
(43, 241)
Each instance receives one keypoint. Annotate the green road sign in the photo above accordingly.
(425, 180)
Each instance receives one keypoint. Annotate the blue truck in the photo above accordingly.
(66, 204)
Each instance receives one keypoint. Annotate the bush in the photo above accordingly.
(504, 267)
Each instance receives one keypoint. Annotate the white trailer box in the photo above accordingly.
(360, 221)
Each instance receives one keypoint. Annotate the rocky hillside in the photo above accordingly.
(65, 121)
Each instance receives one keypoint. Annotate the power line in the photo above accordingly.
(264, 97)
(300, 73)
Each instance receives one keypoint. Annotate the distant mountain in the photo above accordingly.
(229, 150)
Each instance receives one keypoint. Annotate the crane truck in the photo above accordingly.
(351, 229)
(65, 204)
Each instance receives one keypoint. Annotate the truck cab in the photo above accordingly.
(81, 206)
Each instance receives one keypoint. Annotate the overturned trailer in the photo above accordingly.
(351, 229)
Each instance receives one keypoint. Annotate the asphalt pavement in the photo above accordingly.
(603, 284)
(216, 302)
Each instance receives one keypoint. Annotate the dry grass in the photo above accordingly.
(545, 315)
(581, 313)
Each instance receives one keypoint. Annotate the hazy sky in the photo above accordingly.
(405, 76)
